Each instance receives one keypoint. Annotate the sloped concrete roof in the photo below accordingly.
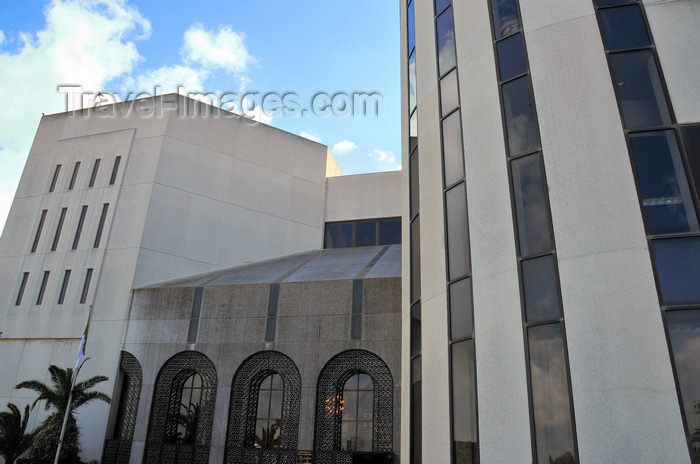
(307, 266)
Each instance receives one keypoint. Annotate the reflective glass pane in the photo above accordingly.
(540, 289)
(412, 83)
(356, 327)
(623, 28)
(413, 167)
(441, 5)
(277, 382)
(411, 28)
(415, 329)
(266, 383)
(464, 425)
(684, 332)
(449, 94)
(511, 57)
(691, 140)
(332, 235)
(612, 2)
(366, 233)
(416, 412)
(446, 42)
(452, 148)
(550, 395)
(457, 232)
(678, 269)
(505, 17)
(668, 203)
(270, 329)
(351, 383)
(364, 382)
(349, 404)
(390, 231)
(275, 405)
(413, 131)
(263, 404)
(530, 194)
(639, 91)
(461, 309)
(415, 259)
(348, 436)
(345, 235)
(364, 436)
(521, 125)
(365, 406)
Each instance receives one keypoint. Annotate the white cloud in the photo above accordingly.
(84, 42)
(2, 36)
(311, 136)
(343, 147)
(223, 49)
(385, 160)
(169, 78)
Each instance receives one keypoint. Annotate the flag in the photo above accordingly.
(83, 343)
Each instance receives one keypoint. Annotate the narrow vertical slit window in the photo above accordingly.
(195, 314)
(38, 230)
(74, 175)
(271, 328)
(42, 289)
(86, 286)
(93, 176)
(64, 287)
(356, 318)
(101, 225)
(59, 227)
(79, 229)
(22, 286)
(115, 170)
(54, 180)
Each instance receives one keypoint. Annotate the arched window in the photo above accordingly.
(357, 414)
(263, 421)
(118, 449)
(269, 417)
(354, 407)
(182, 412)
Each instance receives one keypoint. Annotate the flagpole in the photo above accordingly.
(81, 361)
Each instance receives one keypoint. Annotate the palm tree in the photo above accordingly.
(43, 447)
(13, 441)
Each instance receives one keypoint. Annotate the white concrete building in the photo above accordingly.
(118, 197)
(551, 290)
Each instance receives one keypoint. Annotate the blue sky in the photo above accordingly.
(304, 47)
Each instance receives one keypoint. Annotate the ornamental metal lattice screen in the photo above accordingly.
(329, 390)
(118, 450)
(166, 404)
(243, 408)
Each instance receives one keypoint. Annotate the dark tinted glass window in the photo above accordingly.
(366, 233)
(540, 289)
(505, 17)
(59, 227)
(269, 415)
(639, 91)
(464, 425)
(457, 238)
(520, 117)
(415, 329)
(390, 231)
(74, 176)
(115, 170)
(101, 225)
(550, 395)
(412, 80)
(64, 287)
(441, 5)
(93, 176)
(22, 286)
(446, 42)
(691, 140)
(684, 333)
(666, 196)
(678, 267)
(452, 146)
(461, 309)
(415, 259)
(86, 286)
(416, 411)
(345, 235)
(530, 193)
(413, 131)
(612, 2)
(182, 426)
(55, 178)
(623, 28)
(357, 414)
(415, 197)
(511, 57)
(411, 28)
(449, 95)
(42, 289)
(79, 229)
(37, 236)
(332, 235)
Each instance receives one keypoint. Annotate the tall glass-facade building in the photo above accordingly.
(551, 274)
